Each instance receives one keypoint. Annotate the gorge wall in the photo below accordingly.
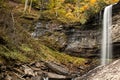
(80, 40)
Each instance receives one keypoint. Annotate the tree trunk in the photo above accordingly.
(26, 5)
(30, 6)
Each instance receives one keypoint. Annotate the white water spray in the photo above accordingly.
(45, 78)
(106, 36)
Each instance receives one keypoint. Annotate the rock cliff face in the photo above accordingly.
(81, 42)
(116, 23)
(116, 29)
(73, 40)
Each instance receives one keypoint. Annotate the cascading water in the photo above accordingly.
(106, 36)
(45, 78)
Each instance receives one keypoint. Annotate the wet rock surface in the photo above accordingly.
(108, 72)
(116, 28)
(83, 43)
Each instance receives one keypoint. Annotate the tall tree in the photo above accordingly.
(26, 5)
(30, 5)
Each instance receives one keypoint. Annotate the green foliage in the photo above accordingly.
(12, 55)
(2, 3)
(25, 48)
(52, 55)
(71, 1)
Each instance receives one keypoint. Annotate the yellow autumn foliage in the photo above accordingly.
(74, 9)
(110, 1)
(92, 2)
(83, 8)
(114, 1)
(69, 15)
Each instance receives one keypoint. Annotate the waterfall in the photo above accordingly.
(106, 36)
(45, 78)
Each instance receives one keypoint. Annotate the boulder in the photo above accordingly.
(28, 71)
(107, 72)
(52, 75)
(8, 77)
(57, 68)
